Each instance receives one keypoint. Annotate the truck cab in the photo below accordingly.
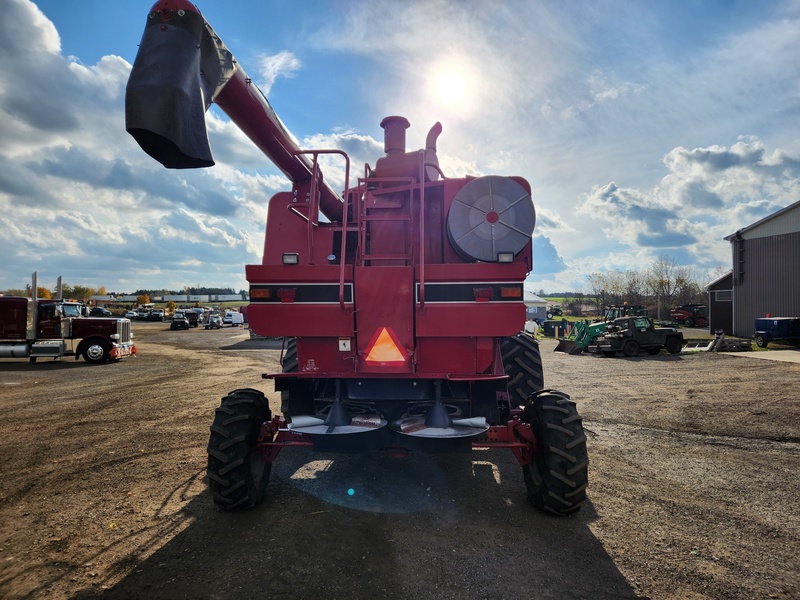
(51, 315)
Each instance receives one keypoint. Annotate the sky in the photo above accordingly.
(645, 129)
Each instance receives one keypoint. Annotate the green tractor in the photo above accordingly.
(585, 333)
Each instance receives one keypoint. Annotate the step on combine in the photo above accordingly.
(400, 301)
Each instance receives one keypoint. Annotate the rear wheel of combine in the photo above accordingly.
(237, 475)
(522, 362)
(673, 345)
(557, 478)
(631, 349)
(689, 322)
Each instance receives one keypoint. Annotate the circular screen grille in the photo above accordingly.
(488, 216)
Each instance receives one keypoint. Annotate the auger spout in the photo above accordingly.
(182, 66)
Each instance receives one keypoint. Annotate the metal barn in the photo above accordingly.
(766, 269)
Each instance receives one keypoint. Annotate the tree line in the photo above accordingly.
(188, 291)
(664, 283)
(83, 293)
(76, 292)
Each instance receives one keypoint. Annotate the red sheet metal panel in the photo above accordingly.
(299, 273)
(323, 356)
(465, 300)
(470, 320)
(296, 320)
(440, 356)
(300, 300)
(474, 272)
(384, 319)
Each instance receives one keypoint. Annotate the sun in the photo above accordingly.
(451, 88)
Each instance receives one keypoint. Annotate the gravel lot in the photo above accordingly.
(693, 488)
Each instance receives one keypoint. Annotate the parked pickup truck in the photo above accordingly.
(190, 315)
(233, 318)
(631, 335)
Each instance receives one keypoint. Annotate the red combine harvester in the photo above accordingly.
(401, 306)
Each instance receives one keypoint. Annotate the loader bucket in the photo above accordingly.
(568, 346)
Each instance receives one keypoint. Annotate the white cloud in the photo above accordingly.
(708, 193)
(283, 64)
(78, 196)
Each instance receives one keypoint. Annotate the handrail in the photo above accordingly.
(435, 166)
(314, 207)
(293, 209)
(421, 228)
(345, 218)
(406, 184)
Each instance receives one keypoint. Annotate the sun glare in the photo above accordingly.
(450, 88)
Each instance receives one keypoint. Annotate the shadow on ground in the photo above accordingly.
(257, 343)
(371, 526)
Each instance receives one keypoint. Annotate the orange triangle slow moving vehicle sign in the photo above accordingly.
(384, 349)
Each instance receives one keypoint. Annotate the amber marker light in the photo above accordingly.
(510, 292)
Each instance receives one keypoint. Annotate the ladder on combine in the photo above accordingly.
(385, 221)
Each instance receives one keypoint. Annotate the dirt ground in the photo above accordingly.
(694, 489)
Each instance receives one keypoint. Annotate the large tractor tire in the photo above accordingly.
(557, 478)
(237, 475)
(522, 362)
(299, 398)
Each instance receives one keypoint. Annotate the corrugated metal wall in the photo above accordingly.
(779, 224)
(766, 280)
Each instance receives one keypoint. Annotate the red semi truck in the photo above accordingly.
(400, 302)
(37, 328)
